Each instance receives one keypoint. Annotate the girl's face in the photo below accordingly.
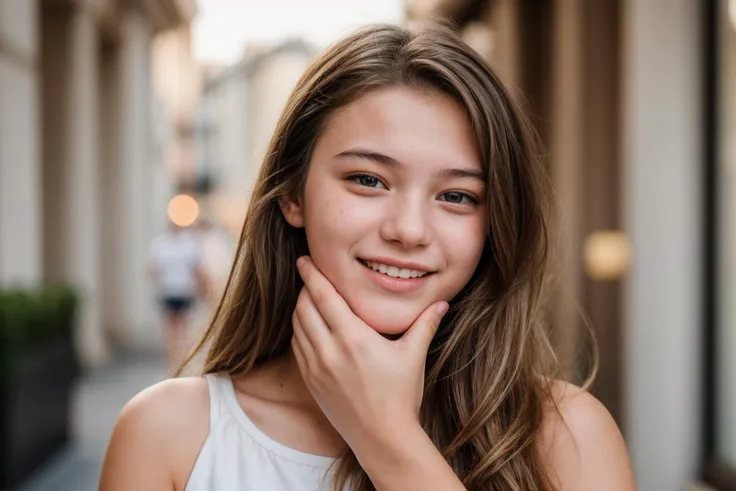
(394, 205)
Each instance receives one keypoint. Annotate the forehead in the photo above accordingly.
(411, 126)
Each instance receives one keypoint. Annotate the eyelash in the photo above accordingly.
(469, 197)
(356, 179)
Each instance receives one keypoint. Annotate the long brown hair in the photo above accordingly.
(488, 369)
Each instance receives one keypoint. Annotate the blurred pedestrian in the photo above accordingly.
(176, 267)
(383, 328)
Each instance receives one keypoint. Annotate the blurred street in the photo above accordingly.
(97, 400)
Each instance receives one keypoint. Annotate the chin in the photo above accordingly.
(389, 322)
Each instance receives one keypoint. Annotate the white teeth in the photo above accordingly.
(395, 272)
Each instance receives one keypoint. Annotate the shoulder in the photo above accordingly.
(161, 407)
(158, 436)
(581, 442)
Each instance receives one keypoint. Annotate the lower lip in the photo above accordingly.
(398, 285)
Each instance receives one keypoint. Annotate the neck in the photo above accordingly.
(290, 377)
(280, 380)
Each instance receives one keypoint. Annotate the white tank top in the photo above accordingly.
(237, 456)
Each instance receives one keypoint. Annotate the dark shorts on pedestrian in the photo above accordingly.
(177, 305)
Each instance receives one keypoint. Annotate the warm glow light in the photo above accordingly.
(183, 210)
(607, 255)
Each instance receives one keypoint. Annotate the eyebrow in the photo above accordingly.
(379, 158)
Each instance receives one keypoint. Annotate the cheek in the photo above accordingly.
(335, 220)
(463, 255)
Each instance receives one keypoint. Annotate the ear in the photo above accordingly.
(293, 210)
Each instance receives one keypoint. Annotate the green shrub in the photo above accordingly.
(31, 317)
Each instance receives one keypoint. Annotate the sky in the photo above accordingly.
(223, 27)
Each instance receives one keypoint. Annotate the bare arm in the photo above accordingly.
(153, 275)
(204, 287)
(155, 442)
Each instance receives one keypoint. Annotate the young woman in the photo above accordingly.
(381, 325)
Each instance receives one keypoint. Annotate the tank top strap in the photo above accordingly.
(216, 383)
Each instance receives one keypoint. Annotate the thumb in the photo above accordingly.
(420, 333)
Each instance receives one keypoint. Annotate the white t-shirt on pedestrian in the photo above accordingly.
(176, 256)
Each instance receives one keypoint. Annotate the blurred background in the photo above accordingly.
(127, 125)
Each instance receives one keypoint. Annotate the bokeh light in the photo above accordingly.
(183, 210)
(607, 255)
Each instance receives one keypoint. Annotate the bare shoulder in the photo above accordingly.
(583, 444)
(158, 436)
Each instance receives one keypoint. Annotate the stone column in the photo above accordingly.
(566, 151)
(504, 16)
(135, 175)
(663, 169)
(112, 208)
(20, 187)
(71, 159)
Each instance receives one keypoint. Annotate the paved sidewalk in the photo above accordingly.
(98, 399)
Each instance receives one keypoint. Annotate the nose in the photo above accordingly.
(407, 223)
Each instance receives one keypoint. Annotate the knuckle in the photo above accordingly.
(353, 343)
(328, 360)
(320, 296)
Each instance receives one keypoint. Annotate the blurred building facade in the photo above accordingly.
(240, 108)
(620, 93)
(77, 155)
(177, 83)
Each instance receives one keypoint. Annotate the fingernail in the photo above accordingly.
(442, 308)
(299, 262)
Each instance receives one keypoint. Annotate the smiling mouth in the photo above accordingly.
(393, 271)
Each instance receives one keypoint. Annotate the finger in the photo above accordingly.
(329, 303)
(313, 325)
(299, 357)
(421, 333)
(301, 339)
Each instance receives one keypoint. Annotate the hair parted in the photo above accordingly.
(489, 367)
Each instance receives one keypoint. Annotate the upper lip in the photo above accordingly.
(399, 264)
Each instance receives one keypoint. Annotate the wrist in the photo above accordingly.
(405, 459)
(394, 447)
